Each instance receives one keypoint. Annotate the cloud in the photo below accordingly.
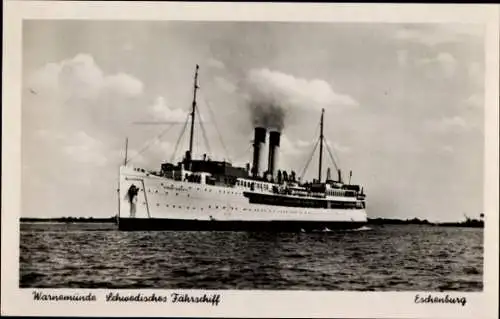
(295, 92)
(79, 146)
(301, 143)
(133, 157)
(447, 124)
(444, 61)
(161, 151)
(476, 73)
(289, 147)
(432, 35)
(45, 135)
(225, 84)
(85, 149)
(75, 118)
(80, 77)
(76, 94)
(402, 56)
(124, 84)
(475, 101)
(162, 112)
(272, 96)
(341, 148)
(448, 149)
(128, 47)
(455, 121)
(214, 63)
(419, 36)
(150, 154)
(291, 153)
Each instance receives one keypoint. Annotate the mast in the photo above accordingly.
(193, 110)
(126, 152)
(321, 146)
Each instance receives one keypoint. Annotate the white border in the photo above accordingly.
(17, 301)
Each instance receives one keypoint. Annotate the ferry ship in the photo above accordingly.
(204, 194)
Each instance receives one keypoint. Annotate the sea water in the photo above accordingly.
(375, 258)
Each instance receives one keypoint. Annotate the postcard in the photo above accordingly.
(250, 160)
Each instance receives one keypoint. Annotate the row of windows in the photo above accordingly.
(199, 189)
(335, 193)
(281, 201)
(301, 202)
(248, 184)
(347, 193)
(233, 208)
(256, 185)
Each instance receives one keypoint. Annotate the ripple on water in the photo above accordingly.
(388, 258)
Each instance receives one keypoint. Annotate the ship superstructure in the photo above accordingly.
(205, 194)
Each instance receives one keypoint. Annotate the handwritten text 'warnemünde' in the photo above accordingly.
(39, 296)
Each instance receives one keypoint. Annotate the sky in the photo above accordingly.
(404, 106)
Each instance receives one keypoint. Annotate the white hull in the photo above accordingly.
(167, 199)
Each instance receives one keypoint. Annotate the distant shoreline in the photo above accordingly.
(68, 220)
(475, 223)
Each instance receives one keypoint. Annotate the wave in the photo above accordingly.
(362, 228)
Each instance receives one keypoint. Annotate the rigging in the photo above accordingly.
(309, 161)
(154, 140)
(179, 139)
(207, 144)
(212, 115)
(332, 157)
(321, 141)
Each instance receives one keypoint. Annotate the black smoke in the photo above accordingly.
(266, 102)
(270, 115)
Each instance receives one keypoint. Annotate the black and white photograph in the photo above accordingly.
(186, 155)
